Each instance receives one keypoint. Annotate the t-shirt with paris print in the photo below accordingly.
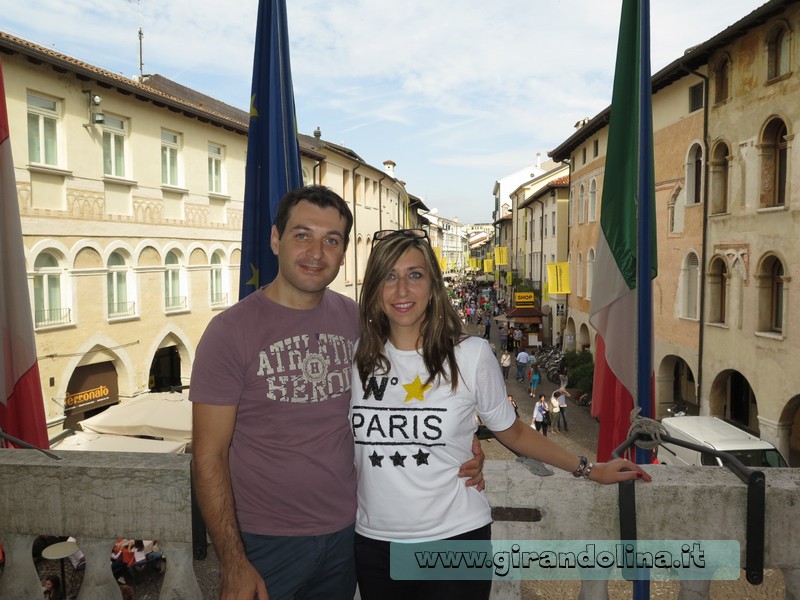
(412, 438)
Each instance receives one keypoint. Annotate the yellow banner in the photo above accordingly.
(509, 278)
(437, 251)
(558, 278)
(443, 264)
(475, 263)
(488, 265)
(501, 255)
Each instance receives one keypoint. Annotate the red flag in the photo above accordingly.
(21, 406)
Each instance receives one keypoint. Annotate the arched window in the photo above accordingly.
(119, 304)
(694, 175)
(47, 298)
(722, 76)
(579, 274)
(581, 205)
(174, 298)
(719, 179)
(589, 273)
(360, 253)
(778, 52)
(770, 283)
(774, 165)
(217, 286)
(717, 291)
(593, 200)
(691, 273)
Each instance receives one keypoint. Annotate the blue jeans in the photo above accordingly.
(305, 567)
(521, 371)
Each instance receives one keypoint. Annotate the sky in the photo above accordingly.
(458, 93)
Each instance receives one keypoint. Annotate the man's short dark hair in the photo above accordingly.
(320, 196)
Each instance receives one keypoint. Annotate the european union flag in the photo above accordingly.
(273, 154)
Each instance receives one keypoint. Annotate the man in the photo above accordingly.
(272, 444)
(522, 364)
(518, 338)
(487, 326)
(562, 405)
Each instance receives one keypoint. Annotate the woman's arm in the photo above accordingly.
(529, 442)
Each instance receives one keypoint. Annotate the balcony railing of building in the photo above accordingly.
(121, 309)
(52, 316)
(219, 299)
(172, 303)
(98, 497)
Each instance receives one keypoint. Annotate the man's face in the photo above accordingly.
(311, 249)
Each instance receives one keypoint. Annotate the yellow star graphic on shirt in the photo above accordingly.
(416, 390)
(254, 278)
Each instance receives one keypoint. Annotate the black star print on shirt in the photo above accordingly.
(421, 457)
(376, 459)
(398, 460)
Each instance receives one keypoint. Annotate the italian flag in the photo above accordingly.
(622, 313)
(21, 406)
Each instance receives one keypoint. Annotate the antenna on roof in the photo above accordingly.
(141, 36)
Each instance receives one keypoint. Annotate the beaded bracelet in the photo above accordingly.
(588, 471)
(582, 463)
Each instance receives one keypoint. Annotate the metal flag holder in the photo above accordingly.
(756, 498)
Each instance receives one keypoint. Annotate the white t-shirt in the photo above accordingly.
(411, 440)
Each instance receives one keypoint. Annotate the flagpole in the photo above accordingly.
(644, 284)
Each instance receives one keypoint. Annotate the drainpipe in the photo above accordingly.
(380, 202)
(704, 250)
(355, 233)
(317, 180)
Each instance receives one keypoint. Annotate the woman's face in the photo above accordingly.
(406, 293)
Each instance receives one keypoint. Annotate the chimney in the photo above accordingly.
(317, 133)
(389, 166)
(538, 160)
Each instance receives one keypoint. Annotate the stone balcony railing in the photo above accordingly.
(98, 497)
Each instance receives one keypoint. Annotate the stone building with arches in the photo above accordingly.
(131, 195)
(727, 200)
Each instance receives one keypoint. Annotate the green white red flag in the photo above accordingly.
(621, 312)
(21, 406)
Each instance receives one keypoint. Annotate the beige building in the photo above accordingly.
(130, 195)
(723, 117)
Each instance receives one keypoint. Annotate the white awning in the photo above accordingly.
(100, 442)
(166, 415)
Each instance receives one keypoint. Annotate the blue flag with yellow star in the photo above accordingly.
(273, 153)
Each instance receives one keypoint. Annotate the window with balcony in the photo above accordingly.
(43, 125)
(118, 293)
(219, 295)
(174, 296)
(114, 134)
(48, 298)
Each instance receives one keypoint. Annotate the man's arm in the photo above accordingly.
(212, 431)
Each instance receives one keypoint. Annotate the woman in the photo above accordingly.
(418, 380)
(555, 414)
(535, 378)
(505, 362)
(541, 415)
(52, 588)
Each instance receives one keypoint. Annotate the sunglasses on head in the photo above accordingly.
(414, 234)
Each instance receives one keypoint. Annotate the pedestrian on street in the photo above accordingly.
(541, 416)
(487, 326)
(555, 414)
(535, 379)
(563, 394)
(505, 362)
(503, 333)
(522, 364)
(518, 337)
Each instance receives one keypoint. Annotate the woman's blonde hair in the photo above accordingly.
(441, 327)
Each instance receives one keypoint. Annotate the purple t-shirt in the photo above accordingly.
(289, 371)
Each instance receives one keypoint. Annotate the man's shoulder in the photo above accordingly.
(340, 301)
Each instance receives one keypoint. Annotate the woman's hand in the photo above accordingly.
(618, 470)
(474, 468)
